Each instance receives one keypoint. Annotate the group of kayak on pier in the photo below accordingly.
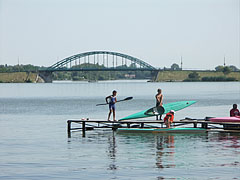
(169, 117)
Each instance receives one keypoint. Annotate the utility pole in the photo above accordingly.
(181, 63)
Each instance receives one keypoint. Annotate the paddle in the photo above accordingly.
(127, 98)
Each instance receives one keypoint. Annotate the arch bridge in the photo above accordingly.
(97, 61)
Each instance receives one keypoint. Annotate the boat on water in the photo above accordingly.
(226, 119)
(162, 130)
(92, 81)
(176, 106)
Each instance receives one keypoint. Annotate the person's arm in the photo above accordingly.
(157, 98)
(161, 100)
(107, 99)
(169, 118)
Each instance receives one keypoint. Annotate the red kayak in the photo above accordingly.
(226, 119)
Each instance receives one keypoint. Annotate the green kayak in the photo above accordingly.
(161, 130)
(176, 106)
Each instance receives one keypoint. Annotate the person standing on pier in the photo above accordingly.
(234, 111)
(111, 100)
(159, 100)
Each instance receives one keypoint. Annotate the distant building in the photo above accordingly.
(130, 76)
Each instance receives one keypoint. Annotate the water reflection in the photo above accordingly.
(229, 140)
(112, 149)
(165, 148)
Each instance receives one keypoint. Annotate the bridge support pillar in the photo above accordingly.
(46, 76)
(154, 75)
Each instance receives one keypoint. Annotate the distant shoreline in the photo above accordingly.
(162, 76)
(173, 76)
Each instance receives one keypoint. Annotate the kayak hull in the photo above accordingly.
(226, 119)
(161, 130)
(176, 106)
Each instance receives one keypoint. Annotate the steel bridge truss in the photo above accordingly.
(109, 60)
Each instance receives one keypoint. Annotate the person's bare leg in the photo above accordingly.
(109, 114)
(169, 124)
(114, 119)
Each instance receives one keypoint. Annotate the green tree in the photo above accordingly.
(233, 68)
(175, 67)
(193, 75)
(226, 70)
(219, 68)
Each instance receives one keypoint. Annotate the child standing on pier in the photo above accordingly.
(111, 100)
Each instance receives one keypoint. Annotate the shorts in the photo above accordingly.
(112, 106)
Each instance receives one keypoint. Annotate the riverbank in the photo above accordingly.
(182, 75)
(163, 76)
(18, 77)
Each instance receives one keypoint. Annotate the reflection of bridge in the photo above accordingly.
(97, 61)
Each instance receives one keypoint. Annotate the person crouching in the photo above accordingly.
(168, 119)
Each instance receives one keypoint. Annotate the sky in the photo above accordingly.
(42, 32)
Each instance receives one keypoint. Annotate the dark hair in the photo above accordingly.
(234, 105)
(114, 91)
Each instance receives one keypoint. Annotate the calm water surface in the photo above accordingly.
(34, 142)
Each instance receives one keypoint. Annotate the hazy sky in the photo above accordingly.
(40, 32)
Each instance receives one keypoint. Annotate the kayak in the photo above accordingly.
(176, 106)
(161, 130)
(226, 119)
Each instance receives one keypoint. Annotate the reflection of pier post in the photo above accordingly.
(112, 151)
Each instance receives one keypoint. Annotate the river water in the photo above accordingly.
(34, 142)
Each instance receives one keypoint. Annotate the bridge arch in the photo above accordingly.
(69, 61)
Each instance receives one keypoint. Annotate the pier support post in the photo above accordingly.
(69, 126)
(142, 125)
(83, 129)
(205, 125)
(195, 125)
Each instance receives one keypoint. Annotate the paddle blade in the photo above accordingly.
(128, 98)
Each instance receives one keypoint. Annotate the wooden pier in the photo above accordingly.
(87, 124)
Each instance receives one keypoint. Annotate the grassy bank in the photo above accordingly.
(17, 77)
(182, 75)
(21, 77)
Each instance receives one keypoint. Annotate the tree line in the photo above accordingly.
(80, 75)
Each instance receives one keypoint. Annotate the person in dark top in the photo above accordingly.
(159, 101)
(234, 111)
(112, 100)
